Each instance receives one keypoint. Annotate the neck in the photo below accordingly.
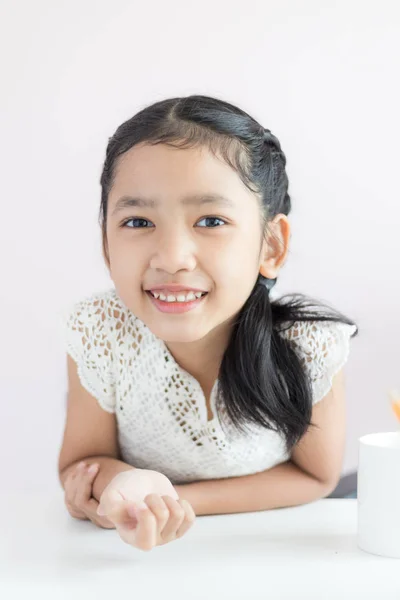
(202, 358)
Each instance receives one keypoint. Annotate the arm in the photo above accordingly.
(90, 435)
(311, 473)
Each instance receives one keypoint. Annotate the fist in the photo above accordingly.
(135, 485)
(145, 508)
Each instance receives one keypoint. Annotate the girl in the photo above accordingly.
(190, 391)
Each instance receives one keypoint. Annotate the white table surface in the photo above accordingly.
(308, 551)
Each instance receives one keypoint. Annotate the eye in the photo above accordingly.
(212, 222)
(138, 223)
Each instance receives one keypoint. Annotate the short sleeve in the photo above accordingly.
(87, 341)
(323, 348)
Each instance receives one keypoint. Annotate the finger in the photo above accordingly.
(158, 507)
(72, 474)
(79, 516)
(84, 478)
(190, 517)
(74, 482)
(76, 514)
(104, 523)
(144, 536)
(68, 488)
(176, 518)
(91, 512)
(91, 515)
(69, 494)
(84, 490)
(68, 480)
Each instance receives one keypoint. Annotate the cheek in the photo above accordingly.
(233, 287)
(236, 269)
(122, 254)
(126, 273)
(121, 270)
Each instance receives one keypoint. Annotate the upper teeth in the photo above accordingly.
(179, 297)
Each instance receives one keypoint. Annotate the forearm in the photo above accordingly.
(283, 485)
(108, 469)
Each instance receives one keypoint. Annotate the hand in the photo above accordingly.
(145, 509)
(78, 495)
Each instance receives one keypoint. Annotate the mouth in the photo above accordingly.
(170, 297)
(177, 303)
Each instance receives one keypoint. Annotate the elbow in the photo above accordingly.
(327, 482)
(329, 479)
(328, 486)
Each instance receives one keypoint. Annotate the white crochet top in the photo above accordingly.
(160, 408)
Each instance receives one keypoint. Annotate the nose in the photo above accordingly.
(174, 252)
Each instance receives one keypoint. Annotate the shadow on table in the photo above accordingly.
(346, 488)
(234, 549)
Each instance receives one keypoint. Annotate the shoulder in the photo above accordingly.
(316, 337)
(93, 329)
(98, 312)
(95, 308)
(102, 326)
(323, 348)
(93, 325)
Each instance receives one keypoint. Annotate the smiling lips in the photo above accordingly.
(181, 297)
(176, 293)
(177, 303)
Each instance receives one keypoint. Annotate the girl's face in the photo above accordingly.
(183, 217)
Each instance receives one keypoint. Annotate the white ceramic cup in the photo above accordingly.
(378, 494)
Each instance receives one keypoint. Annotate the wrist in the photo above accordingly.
(185, 491)
(107, 471)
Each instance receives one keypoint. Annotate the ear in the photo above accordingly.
(275, 246)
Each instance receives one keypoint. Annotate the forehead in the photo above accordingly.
(161, 169)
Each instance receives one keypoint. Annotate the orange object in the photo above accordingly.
(396, 409)
(395, 402)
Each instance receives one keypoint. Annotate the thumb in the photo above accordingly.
(108, 502)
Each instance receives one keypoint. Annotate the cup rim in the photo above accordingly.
(387, 440)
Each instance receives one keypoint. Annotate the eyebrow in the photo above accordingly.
(194, 199)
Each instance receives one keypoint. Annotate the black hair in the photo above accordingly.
(261, 378)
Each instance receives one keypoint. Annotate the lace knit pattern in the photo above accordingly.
(160, 408)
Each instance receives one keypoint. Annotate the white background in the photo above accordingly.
(323, 76)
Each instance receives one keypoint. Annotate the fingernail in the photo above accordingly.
(81, 465)
(100, 511)
(92, 469)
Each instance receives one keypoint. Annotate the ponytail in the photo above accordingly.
(262, 380)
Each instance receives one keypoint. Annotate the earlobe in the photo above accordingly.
(269, 271)
(275, 247)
